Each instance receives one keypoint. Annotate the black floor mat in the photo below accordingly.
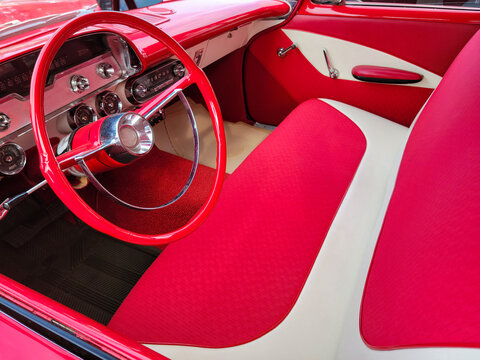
(68, 261)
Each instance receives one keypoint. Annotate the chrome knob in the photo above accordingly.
(105, 70)
(179, 70)
(79, 83)
(140, 90)
(4, 122)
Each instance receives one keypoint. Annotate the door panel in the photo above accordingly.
(345, 55)
(275, 85)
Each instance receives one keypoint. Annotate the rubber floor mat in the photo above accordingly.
(71, 263)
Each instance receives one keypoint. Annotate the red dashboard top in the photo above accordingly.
(188, 21)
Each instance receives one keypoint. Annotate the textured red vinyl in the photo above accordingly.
(423, 288)
(237, 277)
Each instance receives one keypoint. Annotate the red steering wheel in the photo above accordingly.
(52, 166)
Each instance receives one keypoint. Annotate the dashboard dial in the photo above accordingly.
(81, 115)
(12, 159)
(108, 103)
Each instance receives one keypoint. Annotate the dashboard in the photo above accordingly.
(91, 76)
(15, 74)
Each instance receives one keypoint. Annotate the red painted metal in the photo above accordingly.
(49, 165)
(384, 73)
(87, 138)
(188, 22)
(85, 328)
(383, 11)
(18, 342)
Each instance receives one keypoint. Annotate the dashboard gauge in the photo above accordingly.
(12, 159)
(108, 103)
(81, 115)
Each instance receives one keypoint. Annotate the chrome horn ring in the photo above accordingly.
(122, 145)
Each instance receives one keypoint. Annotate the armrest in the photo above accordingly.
(381, 74)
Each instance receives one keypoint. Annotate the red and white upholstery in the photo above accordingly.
(423, 288)
(238, 276)
(253, 275)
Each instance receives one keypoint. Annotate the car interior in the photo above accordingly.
(247, 178)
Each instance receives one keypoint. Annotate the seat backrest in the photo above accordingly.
(423, 287)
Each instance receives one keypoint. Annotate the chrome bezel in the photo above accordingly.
(105, 70)
(100, 102)
(72, 119)
(23, 159)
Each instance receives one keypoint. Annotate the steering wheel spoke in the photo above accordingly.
(83, 152)
(80, 160)
(151, 107)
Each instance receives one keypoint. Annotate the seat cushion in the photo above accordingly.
(423, 287)
(240, 273)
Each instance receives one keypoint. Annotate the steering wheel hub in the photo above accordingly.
(129, 136)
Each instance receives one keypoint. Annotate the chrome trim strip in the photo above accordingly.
(54, 331)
